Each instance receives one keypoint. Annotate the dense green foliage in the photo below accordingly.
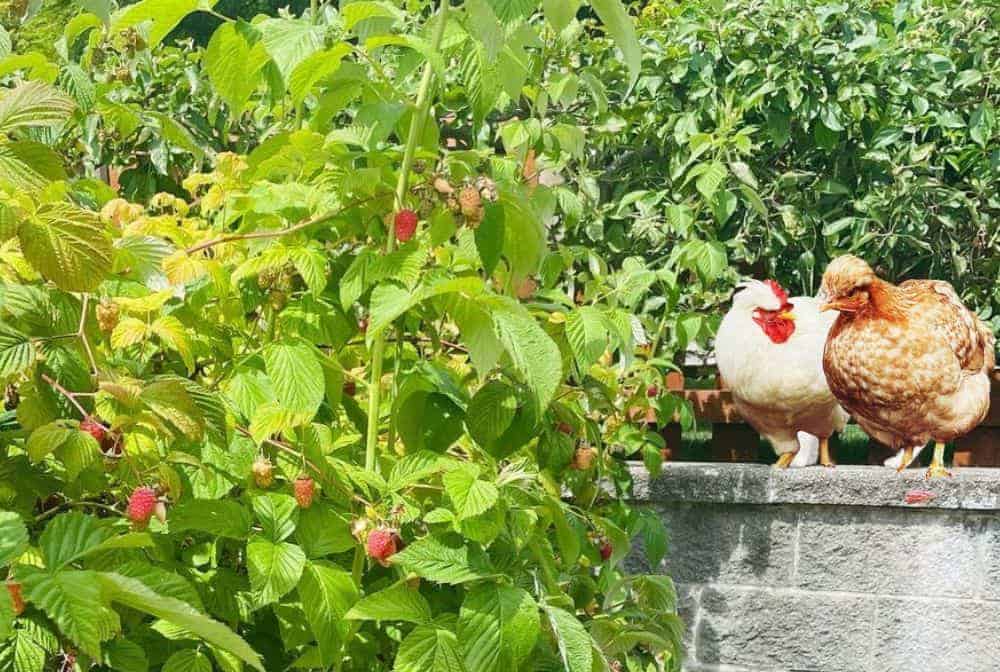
(313, 389)
(781, 134)
(378, 302)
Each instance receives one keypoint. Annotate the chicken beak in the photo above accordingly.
(787, 315)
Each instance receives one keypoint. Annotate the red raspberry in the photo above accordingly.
(93, 427)
(141, 505)
(606, 550)
(382, 545)
(406, 225)
(363, 325)
(565, 428)
(304, 488)
(263, 472)
(14, 588)
(652, 391)
(350, 388)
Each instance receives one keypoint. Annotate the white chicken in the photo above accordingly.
(769, 350)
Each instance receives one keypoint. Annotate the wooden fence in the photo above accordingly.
(732, 440)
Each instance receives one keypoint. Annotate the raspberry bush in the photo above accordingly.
(312, 386)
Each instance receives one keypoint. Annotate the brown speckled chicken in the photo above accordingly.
(910, 362)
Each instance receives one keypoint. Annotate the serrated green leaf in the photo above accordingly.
(362, 10)
(485, 27)
(533, 353)
(33, 104)
(174, 334)
(233, 66)
(441, 561)
(429, 648)
(220, 518)
(711, 179)
(26, 164)
(491, 411)
(573, 641)
(314, 69)
(74, 600)
(296, 375)
(322, 531)
(497, 627)
(470, 495)
(278, 515)
(17, 352)
(490, 237)
(399, 602)
(164, 15)
(123, 655)
(275, 569)
(588, 335)
(66, 245)
(290, 41)
(188, 660)
(69, 536)
(327, 592)
(559, 13)
(13, 537)
(619, 25)
(132, 593)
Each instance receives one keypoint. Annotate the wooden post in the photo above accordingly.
(671, 432)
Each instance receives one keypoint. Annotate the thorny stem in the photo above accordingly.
(278, 233)
(82, 333)
(73, 505)
(66, 393)
(416, 130)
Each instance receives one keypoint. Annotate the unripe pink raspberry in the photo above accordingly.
(93, 427)
(304, 488)
(141, 505)
(382, 545)
(16, 598)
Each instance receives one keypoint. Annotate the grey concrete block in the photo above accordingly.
(767, 629)
(752, 545)
(970, 488)
(688, 598)
(991, 559)
(936, 636)
(890, 552)
(704, 482)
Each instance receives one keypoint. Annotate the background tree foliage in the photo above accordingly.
(777, 135)
(323, 333)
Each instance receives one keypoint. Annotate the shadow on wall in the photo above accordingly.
(838, 587)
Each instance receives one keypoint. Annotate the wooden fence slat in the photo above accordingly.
(735, 441)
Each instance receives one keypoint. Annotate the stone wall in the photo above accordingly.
(818, 570)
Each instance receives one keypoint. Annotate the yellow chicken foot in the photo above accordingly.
(937, 469)
(785, 459)
(825, 458)
(907, 458)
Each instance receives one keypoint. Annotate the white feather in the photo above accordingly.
(780, 388)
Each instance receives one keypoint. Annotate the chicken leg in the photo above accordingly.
(937, 469)
(906, 458)
(785, 459)
(825, 458)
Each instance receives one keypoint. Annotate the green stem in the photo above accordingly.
(416, 130)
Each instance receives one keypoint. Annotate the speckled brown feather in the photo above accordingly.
(913, 364)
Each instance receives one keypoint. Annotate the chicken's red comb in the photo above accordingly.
(778, 290)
